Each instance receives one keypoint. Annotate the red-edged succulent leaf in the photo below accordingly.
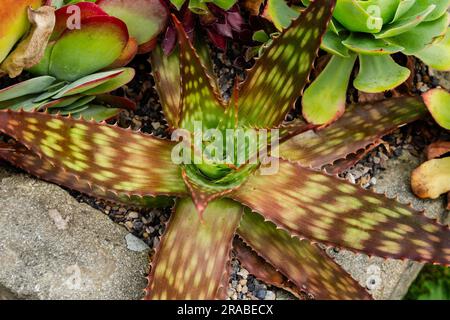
(127, 55)
(145, 19)
(115, 82)
(361, 126)
(304, 264)
(91, 82)
(14, 23)
(326, 209)
(438, 103)
(31, 86)
(116, 159)
(263, 270)
(437, 149)
(79, 52)
(65, 14)
(116, 101)
(25, 159)
(200, 100)
(193, 256)
(278, 77)
(166, 71)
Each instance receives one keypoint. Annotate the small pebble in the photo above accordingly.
(270, 296)
(133, 215)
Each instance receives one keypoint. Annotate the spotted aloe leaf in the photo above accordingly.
(438, 102)
(200, 100)
(14, 23)
(192, 258)
(166, 72)
(115, 159)
(284, 69)
(263, 270)
(361, 126)
(40, 167)
(304, 264)
(323, 208)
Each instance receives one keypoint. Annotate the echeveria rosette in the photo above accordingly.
(372, 31)
(269, 213)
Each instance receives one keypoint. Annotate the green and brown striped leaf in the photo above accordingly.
(21, 157)
(361, 125)
(116, 159)
(193, 256)
(326, 209)
(278, 77)
(200, 100)
(304, 264)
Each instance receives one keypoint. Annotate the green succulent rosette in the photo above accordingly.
(370, 32)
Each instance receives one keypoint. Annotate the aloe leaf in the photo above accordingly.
(404, 24)
(145, 19)
(322, 208)
(366, 44)
(280, 13)
(113, 158)
(360, 126)
(438, 103)
(352, 15)
(302, 263)
(88, 82)
(437, 56)
(34, 85)
(25, 159)
(80, 52)
(192, 257)
(262, 270)
(283, 69)
(200, 100)
(324, 100)
(166, 71)
(421, 36)
(332, 43)
(379, 73)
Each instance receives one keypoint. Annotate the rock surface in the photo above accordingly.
(52, 247)
(390, 279)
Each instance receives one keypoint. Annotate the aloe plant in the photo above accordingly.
(277, 216)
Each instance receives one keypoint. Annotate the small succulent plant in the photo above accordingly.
(275, 217)
(369, 32)
(87, 48)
